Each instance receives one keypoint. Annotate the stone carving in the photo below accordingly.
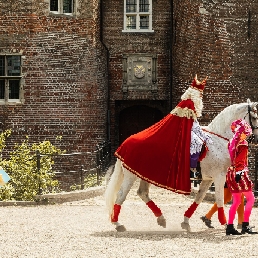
(139, 72)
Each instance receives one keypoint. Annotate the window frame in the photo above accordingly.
(7, 78)
(61, 7)
(137, 14)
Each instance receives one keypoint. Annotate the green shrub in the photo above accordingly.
(90, 180)
(26, 181)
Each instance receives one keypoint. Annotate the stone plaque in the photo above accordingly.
(139, 72)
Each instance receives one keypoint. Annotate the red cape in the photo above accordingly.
(160, 154)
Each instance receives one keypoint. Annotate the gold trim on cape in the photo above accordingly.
(148, 180)
(184, 112)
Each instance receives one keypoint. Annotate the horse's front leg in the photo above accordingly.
(143, 193)
(127, 184)
(203, 188)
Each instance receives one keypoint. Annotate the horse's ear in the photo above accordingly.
(248, 101)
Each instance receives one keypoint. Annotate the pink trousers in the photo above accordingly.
(237, 201)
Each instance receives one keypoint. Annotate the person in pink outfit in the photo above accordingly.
(237, 178)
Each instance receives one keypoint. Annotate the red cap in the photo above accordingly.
(198, 85)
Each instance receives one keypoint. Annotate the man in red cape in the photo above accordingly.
(160, 154)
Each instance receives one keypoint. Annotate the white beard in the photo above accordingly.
(198, 104)
(194, 95)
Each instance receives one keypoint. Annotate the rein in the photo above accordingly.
(251, 124)
(251, 138)
(215, 134)
(250, 118)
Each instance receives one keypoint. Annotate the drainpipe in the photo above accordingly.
(107, 65)
(171, 48)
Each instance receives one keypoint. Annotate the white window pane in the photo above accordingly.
(144, 6)
(131, 6)
(131, 22)
(144, 22)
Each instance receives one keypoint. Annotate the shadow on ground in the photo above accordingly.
(215, 235)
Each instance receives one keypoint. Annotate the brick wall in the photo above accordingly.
(217, 39)
(212, 39)
(125, 43)
(74, 73)
(64, 67)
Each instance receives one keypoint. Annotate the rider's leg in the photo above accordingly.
(193, 164)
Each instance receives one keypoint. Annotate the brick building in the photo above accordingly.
(99, 70)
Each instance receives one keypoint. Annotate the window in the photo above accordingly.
(62, 6)
(10, 78)
(137, 16)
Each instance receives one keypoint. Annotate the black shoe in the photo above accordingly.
(192, 175)
(195, 175)
(230, 230)
(198, 175)
(239, 226)
(247, 229)
(207, 221)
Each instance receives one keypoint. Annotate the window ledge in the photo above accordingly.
(138, 31)
(52, 13)
(11, 102)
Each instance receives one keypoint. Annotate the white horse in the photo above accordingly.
(214, 168)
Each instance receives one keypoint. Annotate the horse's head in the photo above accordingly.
(247, 111)
(252, 119)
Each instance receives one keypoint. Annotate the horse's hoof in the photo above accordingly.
(186, 226)
(161, 221)
(120, 228)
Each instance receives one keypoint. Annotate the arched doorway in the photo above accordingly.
(137, 118)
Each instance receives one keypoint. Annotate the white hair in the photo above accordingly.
(194, 95)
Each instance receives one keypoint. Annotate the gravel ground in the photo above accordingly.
(81, 229)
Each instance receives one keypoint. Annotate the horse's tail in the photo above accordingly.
(114, 186)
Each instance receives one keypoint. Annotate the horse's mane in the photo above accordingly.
(221, 123)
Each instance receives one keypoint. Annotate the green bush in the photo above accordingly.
(26, 180)
(90, 180)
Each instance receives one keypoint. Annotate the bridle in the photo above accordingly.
(250, 138)
(250, 118)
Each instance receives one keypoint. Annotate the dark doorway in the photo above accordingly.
(135, 119)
